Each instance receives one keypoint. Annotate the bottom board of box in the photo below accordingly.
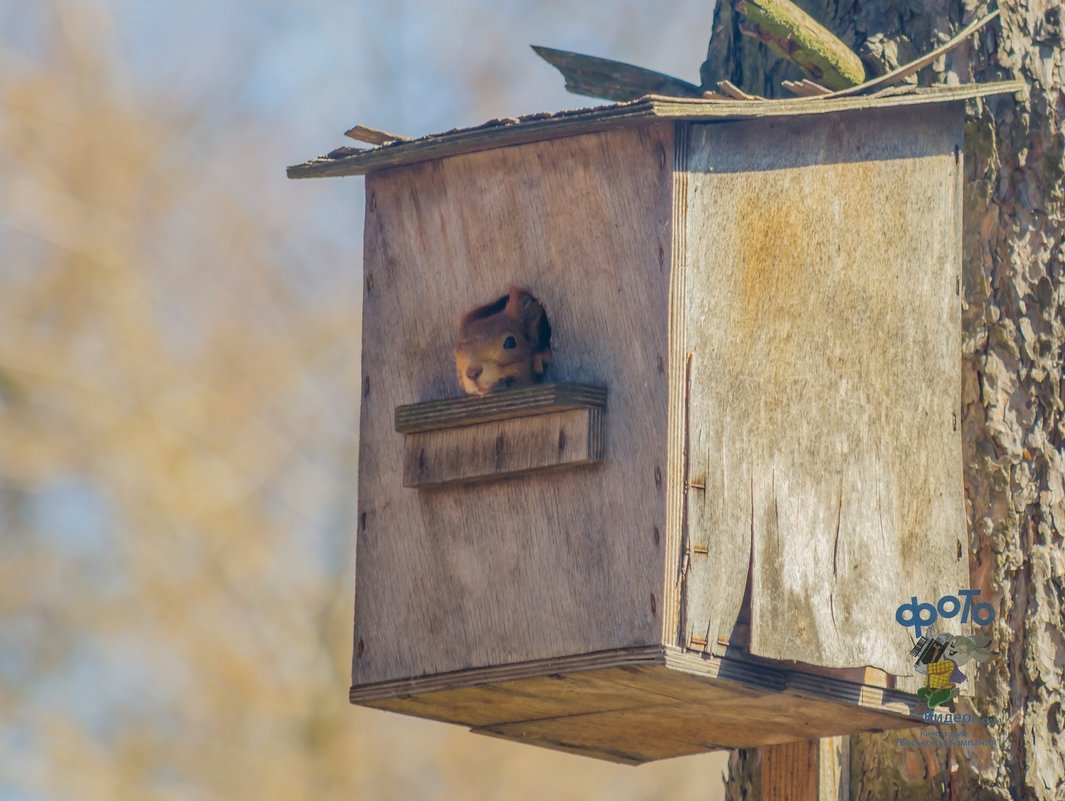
(642, 704)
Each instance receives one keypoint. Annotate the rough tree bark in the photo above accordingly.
(1012, 396)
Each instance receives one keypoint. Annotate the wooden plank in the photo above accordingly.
(637, 735)
(709, 111)
(503, 448)
(628, 658)
(681, 687)
(806, 770)
(519, 402)
(545, 127)
(731, 90)
(789, 772)
(645, 733)
(825, 380)
(605, 754)
(882, 704)
(806, 88)
(676, 475)
(374, 136)
(555, 696)
(534, 128)
(635, 705)
(833, 769)
(612, 80)
(511, 571)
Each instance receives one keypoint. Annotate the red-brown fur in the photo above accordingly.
(482, 360)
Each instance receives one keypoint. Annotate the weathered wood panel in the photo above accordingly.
(503, 448)
(548, 565)
(823, 322)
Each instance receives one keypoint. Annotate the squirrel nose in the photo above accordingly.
(473, 372)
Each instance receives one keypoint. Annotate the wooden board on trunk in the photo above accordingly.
(823, 324)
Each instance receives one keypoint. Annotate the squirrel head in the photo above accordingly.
(502, 344)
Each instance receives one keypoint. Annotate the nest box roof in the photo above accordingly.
(538, 127)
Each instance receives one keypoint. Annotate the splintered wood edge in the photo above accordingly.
(504, 405)
(543, 127)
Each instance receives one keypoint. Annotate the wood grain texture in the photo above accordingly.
(627, 658)
(718, 717)
(503, 448)
(520, 402)
(790, 771)
(637, 705)
(545, 127)
(677, 423)
(823, 322)
(833, 769)
(546, 565)
(806, 770)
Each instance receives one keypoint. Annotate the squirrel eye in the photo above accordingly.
(510, 343)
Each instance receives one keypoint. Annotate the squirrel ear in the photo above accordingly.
(466, 319)
(518, 301)
(481, 312)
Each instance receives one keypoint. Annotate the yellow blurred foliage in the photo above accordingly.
(178, 430)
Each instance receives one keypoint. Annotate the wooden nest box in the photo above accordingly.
(747, 455)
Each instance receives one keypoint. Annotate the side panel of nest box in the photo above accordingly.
(537, 565)
(822, 276)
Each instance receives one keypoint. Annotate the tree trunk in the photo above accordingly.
(1012, 393)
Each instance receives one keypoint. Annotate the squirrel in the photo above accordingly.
(503, 344)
